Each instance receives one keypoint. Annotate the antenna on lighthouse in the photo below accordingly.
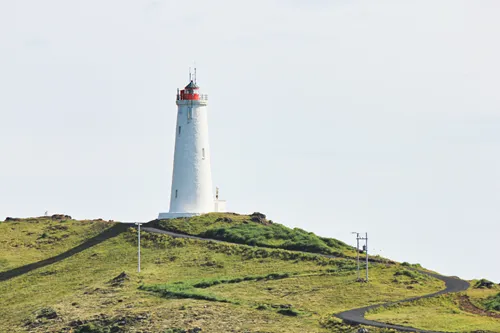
(195, 75)
(189, 74)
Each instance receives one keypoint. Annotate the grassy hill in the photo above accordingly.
(255, 230)
(81, 276)
(33, 239)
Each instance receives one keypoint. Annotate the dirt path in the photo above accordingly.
(466, 305)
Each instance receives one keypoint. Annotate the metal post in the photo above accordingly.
(138, 247)
(357, 252)
(366, 256)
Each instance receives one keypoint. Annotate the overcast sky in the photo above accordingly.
(331, 116)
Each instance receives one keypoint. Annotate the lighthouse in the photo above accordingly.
(192, 190)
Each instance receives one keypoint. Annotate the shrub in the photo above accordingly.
(493, 303)
(483, 283)
(407, 264)
(408, 273)
(262, 307)
(242, 230)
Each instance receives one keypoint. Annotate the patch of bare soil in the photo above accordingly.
(466, 305)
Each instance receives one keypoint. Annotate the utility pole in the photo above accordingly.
(365, 248)
(138, 246)
(357, 249)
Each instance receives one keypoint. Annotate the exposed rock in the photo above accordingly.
(119, 280)
(76, 323)
(195, 330)
(224, 219)
(142, 316)
(105, 323)
(12, 219)
(60, 217)
(258, 217)
(483, 283)
(47, 313)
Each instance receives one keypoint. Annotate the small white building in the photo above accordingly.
(192, 191)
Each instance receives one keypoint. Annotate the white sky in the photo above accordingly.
(332, 116)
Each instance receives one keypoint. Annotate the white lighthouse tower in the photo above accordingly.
(192, 191)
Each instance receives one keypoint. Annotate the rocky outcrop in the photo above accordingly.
(258, 217)
(12, 219)
(119, 280)
(60, 217)
(484, 284)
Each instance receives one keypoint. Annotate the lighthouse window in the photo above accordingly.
(176, 192)
(190, 114)
(179, 130)
(203, 153)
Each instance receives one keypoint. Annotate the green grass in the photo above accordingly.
(35, 239)
(245, 229)
(323, 293)
(441, 313)
(483, 298)
(184, 284)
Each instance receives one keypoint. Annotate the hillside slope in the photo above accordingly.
(476, 310)
(255, 230)
(185, 285)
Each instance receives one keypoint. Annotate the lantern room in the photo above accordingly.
(190, 92)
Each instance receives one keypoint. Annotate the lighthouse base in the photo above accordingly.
(219, 207)
(166, 216)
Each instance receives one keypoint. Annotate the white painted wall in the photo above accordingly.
(220, 206)
(192, 176)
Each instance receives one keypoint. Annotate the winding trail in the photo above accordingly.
(357, 316)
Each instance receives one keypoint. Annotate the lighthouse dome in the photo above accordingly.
(192, 85)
